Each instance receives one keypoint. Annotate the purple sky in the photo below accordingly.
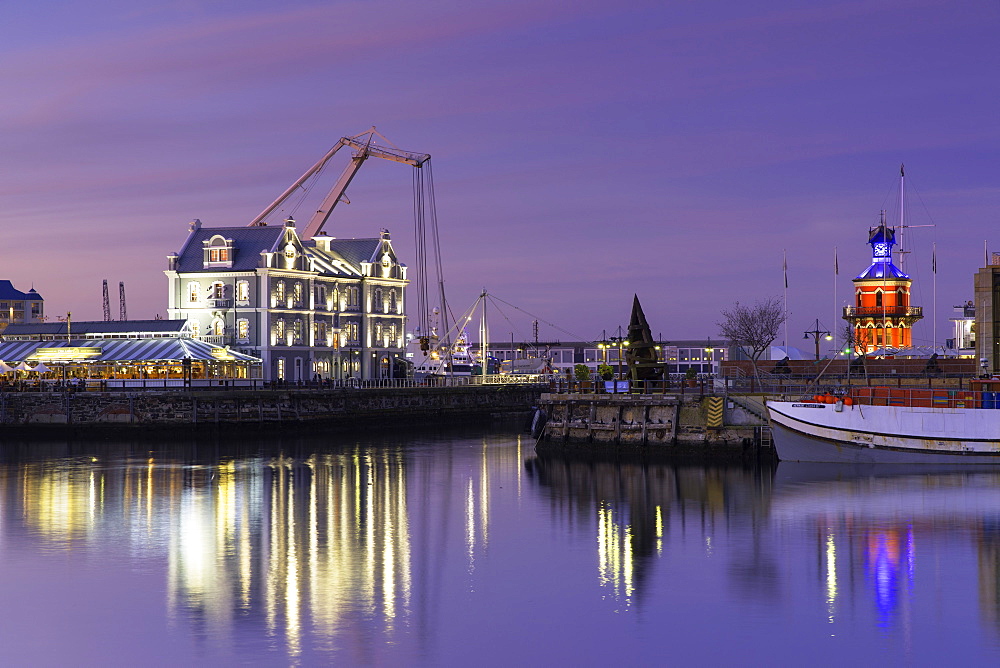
(580, 155)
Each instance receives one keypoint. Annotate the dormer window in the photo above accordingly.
(289, 256)
(218, 252)
(386, 265)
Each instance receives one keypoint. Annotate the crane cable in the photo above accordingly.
(576, 337)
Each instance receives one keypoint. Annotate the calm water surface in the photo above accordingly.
(464, 548)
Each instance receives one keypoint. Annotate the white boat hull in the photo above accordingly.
(813, 432)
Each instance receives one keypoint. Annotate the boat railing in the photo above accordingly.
(896, 396)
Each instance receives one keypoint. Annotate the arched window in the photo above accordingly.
(878, 298)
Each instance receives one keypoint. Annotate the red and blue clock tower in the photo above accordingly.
(882, 317)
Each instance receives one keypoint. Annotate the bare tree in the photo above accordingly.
(856, 343)
(753, 328)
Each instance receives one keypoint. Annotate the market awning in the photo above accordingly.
(173, 349)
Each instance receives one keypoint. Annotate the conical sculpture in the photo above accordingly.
(641, 357)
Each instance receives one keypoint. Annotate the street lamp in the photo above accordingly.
(711, 356)
(816, 332)
(620, 342)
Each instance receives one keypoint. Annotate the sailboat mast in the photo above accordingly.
(484, 336)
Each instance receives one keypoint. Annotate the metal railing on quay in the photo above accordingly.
(700, 386)
(217, 384)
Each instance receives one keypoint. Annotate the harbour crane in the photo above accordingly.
(424, 207)
(364, 147)
(107, 302)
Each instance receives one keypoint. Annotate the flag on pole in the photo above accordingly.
(784, 267)
(934, 258)
(836, 264)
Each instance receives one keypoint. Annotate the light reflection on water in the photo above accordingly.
(463, 548)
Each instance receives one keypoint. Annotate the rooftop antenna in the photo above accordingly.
(107, 302)
(121, 300)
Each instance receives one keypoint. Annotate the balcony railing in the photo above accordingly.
(219, 303)
(215, 339)
(886, 311)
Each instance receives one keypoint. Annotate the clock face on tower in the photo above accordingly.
(881, 250)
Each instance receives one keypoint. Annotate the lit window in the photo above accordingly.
(193, 290)
(243, 329)
(218, 290)
(218, 251)
(279, 291)
(243, 291)
(297, 292)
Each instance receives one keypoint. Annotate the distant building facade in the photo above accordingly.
(702, 355)
(987, 309)
(963, 343)
(320, 309)
(20, 307)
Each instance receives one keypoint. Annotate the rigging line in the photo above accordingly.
(516, 329)
(306, 190)
(435, 236)
(420, 245)
(565, 331)
(920, 197)
(465, 319)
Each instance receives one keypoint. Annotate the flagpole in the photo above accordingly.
(784, 266)
(934, 300)
(836, 273)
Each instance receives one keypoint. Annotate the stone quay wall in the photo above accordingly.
(339, 407)
(667, 425)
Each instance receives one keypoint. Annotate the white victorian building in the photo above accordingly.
(325, 308)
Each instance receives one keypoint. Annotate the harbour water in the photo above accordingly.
(462, 547)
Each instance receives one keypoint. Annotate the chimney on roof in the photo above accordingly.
(322, 241)
(385, 233)
(195, 224)
(289, 222)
